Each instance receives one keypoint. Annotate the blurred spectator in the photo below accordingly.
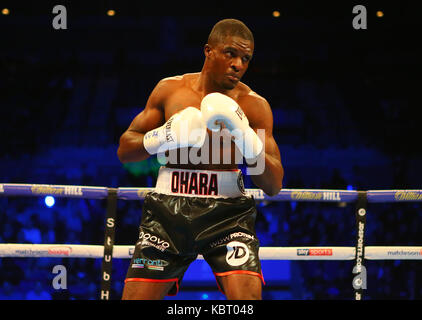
(31, 231)
(38, 293)
(11, 271)
(9, 292)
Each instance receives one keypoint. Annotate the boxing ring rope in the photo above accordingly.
(109, 250)
(16, 250)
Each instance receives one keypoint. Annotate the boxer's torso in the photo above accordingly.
(183, 93)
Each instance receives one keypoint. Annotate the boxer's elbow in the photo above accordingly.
(123, 151)
(126, 157)
(273, 190)
(130, 152)
(120, 149)
(121, 155)
(275, 187)
(270, 182)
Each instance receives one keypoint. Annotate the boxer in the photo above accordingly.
(199, 206)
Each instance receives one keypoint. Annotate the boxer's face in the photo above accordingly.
(229, 60)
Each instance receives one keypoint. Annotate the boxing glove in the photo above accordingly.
(217, 108)
(184, 129)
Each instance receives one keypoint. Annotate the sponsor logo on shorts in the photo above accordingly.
(153, 241)
(230, 237)
(157, 265)
(315, 252)
(237, 253)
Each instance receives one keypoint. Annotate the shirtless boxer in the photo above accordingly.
(201, 208)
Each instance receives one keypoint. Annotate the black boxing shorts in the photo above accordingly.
(191, 213)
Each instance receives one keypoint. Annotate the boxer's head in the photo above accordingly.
(228, 52)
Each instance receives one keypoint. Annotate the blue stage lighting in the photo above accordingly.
(204, 296)
(49, 201)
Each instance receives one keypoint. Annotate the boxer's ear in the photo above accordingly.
(207, 50)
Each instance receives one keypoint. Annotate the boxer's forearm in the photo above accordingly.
(131, 147)
(271, 180)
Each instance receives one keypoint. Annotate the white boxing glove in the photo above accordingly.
(218, 108)
(184, 129)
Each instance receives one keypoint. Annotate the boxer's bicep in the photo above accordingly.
(146, 120)
(271, 148)
(261, 121)
(131, 141)
(153, 115)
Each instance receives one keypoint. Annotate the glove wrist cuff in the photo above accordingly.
(154, 140)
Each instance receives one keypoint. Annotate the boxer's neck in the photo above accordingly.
(206, 84)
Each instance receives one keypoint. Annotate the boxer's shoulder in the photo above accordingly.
(179, 80)
(171, 85)
(171, 82)
(249, 98)
(255, 106)
(167, 87)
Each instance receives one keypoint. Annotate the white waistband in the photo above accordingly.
(200, 183)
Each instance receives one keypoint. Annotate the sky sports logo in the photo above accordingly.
(314, 252)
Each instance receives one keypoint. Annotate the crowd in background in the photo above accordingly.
(279, 224)
(85, 100)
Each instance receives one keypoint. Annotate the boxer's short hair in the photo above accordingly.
(229, 27)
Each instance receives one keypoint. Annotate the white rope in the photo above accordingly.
(393, 253)
(11, 250)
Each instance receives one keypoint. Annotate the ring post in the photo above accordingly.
(110, 228)
(359, 281)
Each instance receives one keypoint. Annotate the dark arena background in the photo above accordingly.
(345, 118)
